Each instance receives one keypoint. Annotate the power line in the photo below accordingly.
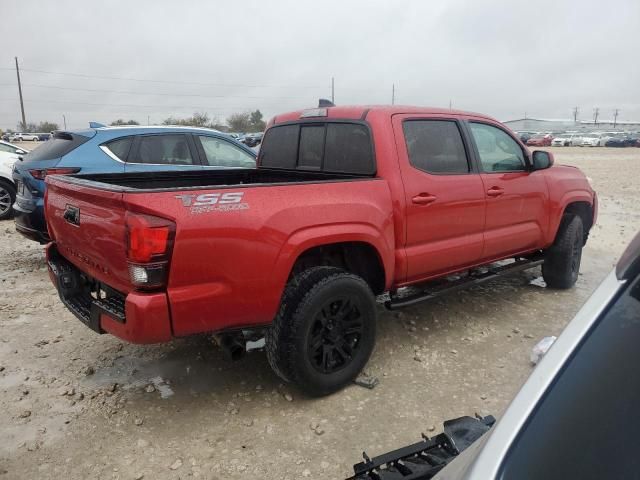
(157, 106)
(178, 82)
(163, 94)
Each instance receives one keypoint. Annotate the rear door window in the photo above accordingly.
(330, 147)
(172, 149)
(435, 146)
(221, 153)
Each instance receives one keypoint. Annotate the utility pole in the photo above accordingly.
(596, 111)
(64, 120)
(615, 117)
(449, 104)
(575, 114)
(393, 94)
(24, 121)
(333, 91)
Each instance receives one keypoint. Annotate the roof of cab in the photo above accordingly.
(360, 112)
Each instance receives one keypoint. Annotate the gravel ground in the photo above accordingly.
(77, 405)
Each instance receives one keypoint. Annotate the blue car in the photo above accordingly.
(101, 149)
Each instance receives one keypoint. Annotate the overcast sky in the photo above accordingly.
(501, 57)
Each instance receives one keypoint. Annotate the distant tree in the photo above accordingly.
(46, 127)
(122, 122)
(257, 123)
(239, 122)
(198, 119)
(28, 128)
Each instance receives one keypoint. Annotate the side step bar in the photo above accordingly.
(437, 290)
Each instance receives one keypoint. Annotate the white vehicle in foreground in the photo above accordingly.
(592, 140)
(24, 137)
(8, 155)
(574, 418)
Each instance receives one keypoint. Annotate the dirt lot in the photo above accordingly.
(77, 405)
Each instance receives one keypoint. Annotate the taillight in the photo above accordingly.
(149, 245)
(40, 173)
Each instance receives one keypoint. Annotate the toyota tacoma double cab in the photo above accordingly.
(345, 203)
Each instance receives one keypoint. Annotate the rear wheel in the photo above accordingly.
(324, 332)
(562, 260)
(7, 198)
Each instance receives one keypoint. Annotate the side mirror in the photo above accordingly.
(20, 152)
(542, 159)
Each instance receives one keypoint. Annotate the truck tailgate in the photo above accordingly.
(88, 226)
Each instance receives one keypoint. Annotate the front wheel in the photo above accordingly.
(562, 260)
(324, 332)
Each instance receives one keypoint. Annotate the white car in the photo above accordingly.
(592, 140)
(24, 137)
(8, 156)
(566, 140)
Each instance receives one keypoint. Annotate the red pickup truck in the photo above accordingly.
(345, 203)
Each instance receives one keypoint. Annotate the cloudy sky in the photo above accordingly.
(148, 60)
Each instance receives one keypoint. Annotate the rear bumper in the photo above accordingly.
(135, 317)
(29, 219)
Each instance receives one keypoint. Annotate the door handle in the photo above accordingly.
(424, 199)
(495, 191)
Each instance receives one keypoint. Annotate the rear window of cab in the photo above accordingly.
(332, 147)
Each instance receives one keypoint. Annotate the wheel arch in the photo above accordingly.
(357, 248)
(581, 206)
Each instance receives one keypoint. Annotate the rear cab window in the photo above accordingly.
(332, 147)
(61, 144)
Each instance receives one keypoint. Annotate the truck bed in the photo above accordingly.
(193, 180)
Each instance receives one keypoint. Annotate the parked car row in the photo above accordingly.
(576, 139)
(26, 137)
(248, 139)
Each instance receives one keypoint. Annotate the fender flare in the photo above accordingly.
(558, 210)
(319, 235)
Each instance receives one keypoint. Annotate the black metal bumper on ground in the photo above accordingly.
(423, 460)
